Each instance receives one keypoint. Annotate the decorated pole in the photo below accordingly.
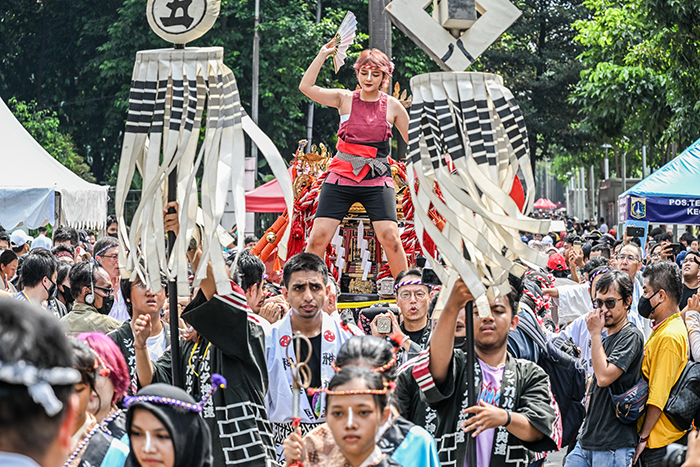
(468, 159)
(171, 91)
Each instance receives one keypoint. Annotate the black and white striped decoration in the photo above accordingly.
(473, 120)
(170, 91)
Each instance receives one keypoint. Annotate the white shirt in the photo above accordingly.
(156, 345)
(119, 311)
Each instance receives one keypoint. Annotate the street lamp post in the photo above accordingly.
(607, 161)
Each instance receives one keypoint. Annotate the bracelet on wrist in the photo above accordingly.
(140, 347)
(643, 440)
(508, 421)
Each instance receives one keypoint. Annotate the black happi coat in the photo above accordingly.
(124, 338)
(524, 390)
(232, 343)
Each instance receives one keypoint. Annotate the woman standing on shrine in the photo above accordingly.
(360, 171)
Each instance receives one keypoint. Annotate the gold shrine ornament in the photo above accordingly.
(182, 21)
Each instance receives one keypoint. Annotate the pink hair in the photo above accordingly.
(375, 59)
(113, 359)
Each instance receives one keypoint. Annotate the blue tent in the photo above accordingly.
(671, 195)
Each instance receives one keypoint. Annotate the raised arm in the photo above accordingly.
(323, 96)
(442, 340)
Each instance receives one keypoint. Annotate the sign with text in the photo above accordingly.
(679, 210)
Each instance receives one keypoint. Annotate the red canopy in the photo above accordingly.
(544, 203)
(266, 198)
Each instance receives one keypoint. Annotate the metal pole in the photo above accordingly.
(172, 293)
(256, 82)
(624, 171)
(592, 188)
(582, 175)
(310, 119)
(471, 389)
(644, 160)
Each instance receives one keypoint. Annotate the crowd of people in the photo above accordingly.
(86, 365)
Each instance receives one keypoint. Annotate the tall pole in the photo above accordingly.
(644, 160)
(472, 391)
(256, 79)
(174, 316)
(310, 113)
(624, 171)
(593, 206)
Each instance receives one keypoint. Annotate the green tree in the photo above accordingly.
(44, 127)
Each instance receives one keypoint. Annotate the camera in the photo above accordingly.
(384, 324)
(675, 455)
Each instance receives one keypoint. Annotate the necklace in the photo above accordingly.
(83, 444)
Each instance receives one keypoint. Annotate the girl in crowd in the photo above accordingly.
(111, 384)
(8, 268)
(92, 446)
(165, 427)
(357, 407)
(406, 443)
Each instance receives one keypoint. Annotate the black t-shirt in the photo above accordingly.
(415, 336)
(687, 293)
(602, 430)
(314, 363)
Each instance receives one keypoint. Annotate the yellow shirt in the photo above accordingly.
(665, 357)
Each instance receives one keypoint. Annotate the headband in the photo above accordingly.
(39, 382)
(375, 392)
(217, 381)
(99, 253)
(602, 271)
(411, 282)
(62, 254)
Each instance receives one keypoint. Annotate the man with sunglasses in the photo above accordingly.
(617, 363)
(93, 293)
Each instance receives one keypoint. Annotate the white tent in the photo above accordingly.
(31, 179)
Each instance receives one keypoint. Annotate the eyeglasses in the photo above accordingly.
(419, 294)
(630, 258)
(609, 303)
(655, 256)
(111, 257)
(108, 291)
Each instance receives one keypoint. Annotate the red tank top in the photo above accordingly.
(367, 122)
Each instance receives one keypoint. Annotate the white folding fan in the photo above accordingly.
(343, 38)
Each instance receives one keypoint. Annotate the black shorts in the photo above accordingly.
(335, 201)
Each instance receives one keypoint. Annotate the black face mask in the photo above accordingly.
(66, 294)
(644, 307)
(460, 342)
(107, 303)
(51, 290)
(115, 235)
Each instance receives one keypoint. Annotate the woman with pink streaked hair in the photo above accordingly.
(111, 383)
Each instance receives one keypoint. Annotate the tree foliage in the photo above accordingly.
(44, 127)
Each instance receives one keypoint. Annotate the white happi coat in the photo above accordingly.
(279, 396)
